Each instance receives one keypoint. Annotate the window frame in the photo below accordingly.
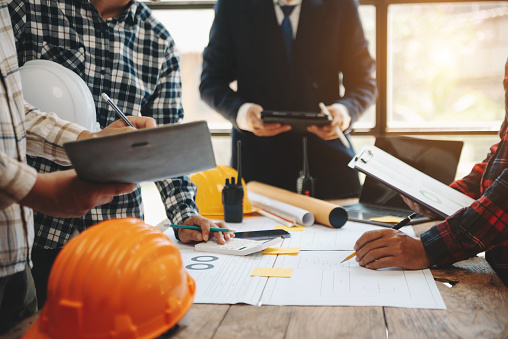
(381, 127)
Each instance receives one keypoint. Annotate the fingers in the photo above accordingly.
(205, 234)
(187, 236)
(325, 132)
(269, 130)
(142, 122)
(390, 248)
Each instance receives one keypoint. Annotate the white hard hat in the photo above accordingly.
(53, 88)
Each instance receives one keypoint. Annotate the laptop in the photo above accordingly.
(436, 158)
(150, 154)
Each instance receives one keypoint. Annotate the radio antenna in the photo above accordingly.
(239, 160)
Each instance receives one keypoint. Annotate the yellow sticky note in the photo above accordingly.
(272, 272)
(388, 219)
(289, 229)
(282, 250)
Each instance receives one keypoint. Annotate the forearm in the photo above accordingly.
(178, 196)
(472, 230)
(16, 180)
(46, 134)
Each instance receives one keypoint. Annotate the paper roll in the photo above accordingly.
(299, 215)
(325, 213)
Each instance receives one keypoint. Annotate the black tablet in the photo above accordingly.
(150, 154)
(296, 119)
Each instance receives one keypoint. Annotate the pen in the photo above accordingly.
(197, 228)
(116, 109)
(339, 132)
(397, 226)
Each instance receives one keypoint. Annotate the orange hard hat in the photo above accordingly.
(209, 191)
(118, 279)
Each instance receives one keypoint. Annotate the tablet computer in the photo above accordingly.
(296, 119)
(150, 154)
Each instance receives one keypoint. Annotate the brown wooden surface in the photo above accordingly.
(477, 307)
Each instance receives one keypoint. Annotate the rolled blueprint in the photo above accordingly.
(299, 215)
(325, 213)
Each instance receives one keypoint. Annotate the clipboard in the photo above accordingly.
(407, 180)
(150, 154)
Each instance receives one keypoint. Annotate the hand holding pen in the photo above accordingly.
(397, 226)
(324, 132)
(117, 110)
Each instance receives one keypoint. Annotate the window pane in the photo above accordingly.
(368, 17)
(446, 64)
(189, 28)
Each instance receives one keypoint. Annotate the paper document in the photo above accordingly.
(320, 279)
(322, 238)
(282, 209)
(431, 193)
(312, 276)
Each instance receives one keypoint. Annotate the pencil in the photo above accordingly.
(117, 110)
(342, 137)
(397, 226)
(197, 228)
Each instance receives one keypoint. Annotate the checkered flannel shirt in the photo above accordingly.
(133, 59)
(22, 130)
(483, 226)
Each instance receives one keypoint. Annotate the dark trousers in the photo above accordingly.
(17, 299)
(42, 260)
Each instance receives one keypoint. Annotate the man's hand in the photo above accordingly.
(187, 235)
(261, 129)
(341, 120)
(63, 194)
(119, 126)
(390, 248)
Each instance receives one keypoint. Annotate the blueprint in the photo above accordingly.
(318, 277)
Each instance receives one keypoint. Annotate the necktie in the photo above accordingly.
(287, 31)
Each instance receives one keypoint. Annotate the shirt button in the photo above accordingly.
(103, 71)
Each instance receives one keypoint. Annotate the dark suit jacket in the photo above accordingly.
(246, 45)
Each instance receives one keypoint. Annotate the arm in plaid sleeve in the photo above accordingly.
(470, 184)
(46, 134)
(472, 230)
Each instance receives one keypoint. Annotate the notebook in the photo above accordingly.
(436, 158)
(151, 154)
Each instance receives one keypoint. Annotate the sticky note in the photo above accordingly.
(289, 229)
(388, 219)
(272, 272)
(282, 250)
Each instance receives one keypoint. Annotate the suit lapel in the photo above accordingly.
(308, 27)
(268, 35)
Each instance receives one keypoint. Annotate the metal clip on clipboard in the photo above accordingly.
(364, 156)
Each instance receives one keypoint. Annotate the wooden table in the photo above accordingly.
(476, 301)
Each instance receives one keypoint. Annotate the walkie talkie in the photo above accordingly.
(305, 183)
(232, 193)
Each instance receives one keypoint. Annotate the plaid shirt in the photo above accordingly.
(22, 130)
(483, 226)
(133, 59)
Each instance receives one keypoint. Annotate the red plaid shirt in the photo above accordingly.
(483, 226)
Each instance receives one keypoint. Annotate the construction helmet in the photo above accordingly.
(118, 279)
(209, 191)
(53, 88)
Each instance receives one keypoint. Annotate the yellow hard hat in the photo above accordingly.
(118, 279)
(209, 191)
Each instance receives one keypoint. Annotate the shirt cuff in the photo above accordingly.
(241, 117)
